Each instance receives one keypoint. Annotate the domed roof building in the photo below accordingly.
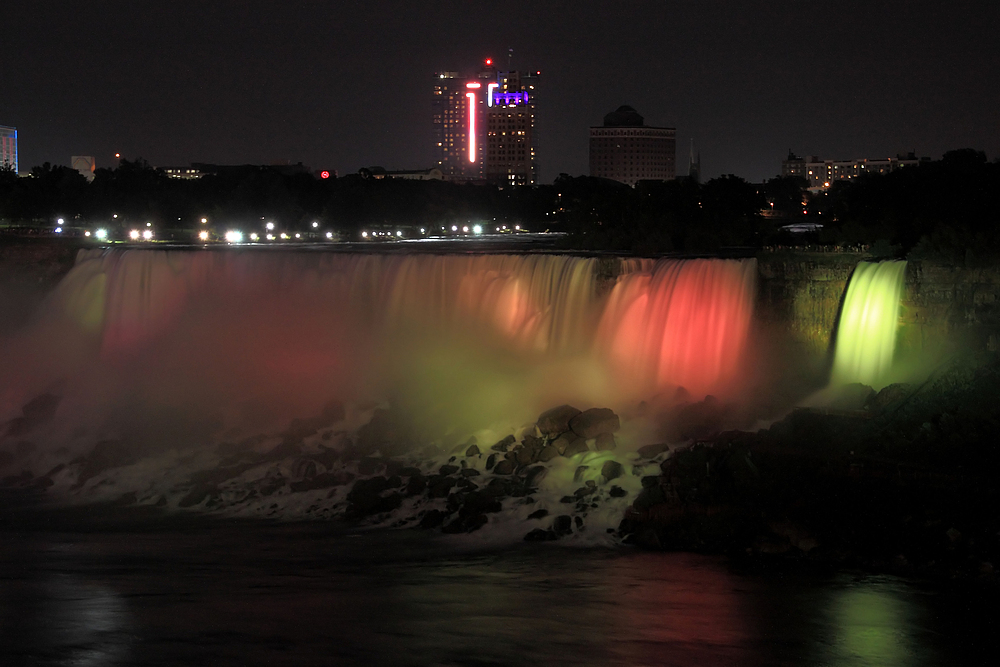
(625, 149)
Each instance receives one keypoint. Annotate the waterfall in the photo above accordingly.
(231, 337)
(866, 332)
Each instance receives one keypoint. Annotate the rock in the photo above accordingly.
(323, 481)
(555, 421)
(526, 456)
(439, 486)
(466, 524)
(539, 535)
(539, 514)
(563, 525)
(504, 445)
(853, 396)
(409, 471)
(448, 470)
(473, 450)
(491, 461)
(593, 422)
(197, 495)
(612, 470)
(577, 446)
(304, 469)
(535, 475)
(548, 453)
(433, 519)
(578, 520)
(652, 451)
(617, 492)
(416, 485)
(890, 395)
(605, 442)
(503, 468)
(470, 472)
(105, 455)
(370, 465)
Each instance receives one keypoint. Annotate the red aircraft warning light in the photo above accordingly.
(324, 174)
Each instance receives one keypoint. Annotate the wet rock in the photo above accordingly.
(652, 451)
(578, 520)
(370, 465)
(409, 471)
(561, 442)
(36, 412)
(617, 492)
(503, 468)
(852, 397)
(535, 475)
(322, 481)
(563, 525)
(304, 469)
(448, 470)
(539, 514)
(889, 396)
(504, 445)
(466, 524)
(525, 456)
(491, 461)
(540, 535)
(369, 500)
(480, 502)
(594, 422)
(433, 519)
(498, 488)
(605, 442)
(439, 486)
(473, 450)
(106, 454)
(577, 446)
(555, 421)
(583, 492)
(385, 433)
(197, 495)
(470, 472)
(416, 485)
(548, 453)
(580, 472)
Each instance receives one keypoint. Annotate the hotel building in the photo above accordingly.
(484, 126)
(8, 148)
(625, 149)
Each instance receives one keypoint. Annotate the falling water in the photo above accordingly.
(147, 339)
(866, 333)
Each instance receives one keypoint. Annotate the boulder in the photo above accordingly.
(539, 514)
(504, 445)
(611, 470)
(617, 492)
(577, 446)
(563, 525)
(503, 468)
(555, 421)
(548, 453)
(605, 442)
(652, 451)
(539, 535)
(473, 450)
(593, 422)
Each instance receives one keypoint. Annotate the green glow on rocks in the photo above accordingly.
(866, 336)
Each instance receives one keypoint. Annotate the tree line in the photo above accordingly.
(943, 208)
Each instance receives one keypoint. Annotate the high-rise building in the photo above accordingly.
(484, 125)
(8, 148)
(626, 149)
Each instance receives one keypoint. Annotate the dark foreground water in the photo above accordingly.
(133, 589)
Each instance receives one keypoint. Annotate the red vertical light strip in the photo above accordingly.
(472, 126)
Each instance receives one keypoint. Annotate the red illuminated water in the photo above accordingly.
(230, 337)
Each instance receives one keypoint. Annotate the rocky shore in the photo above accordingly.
(903, 480)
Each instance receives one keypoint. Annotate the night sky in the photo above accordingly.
(341, 85)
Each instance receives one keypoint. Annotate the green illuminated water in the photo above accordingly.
(866, 335)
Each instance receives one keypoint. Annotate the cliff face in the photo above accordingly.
(36, 262)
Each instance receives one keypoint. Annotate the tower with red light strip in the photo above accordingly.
(484, 125)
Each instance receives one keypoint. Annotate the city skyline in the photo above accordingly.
(341, 88)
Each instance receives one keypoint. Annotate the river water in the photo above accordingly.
(132, 588)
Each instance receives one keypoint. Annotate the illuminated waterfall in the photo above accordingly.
(246, 335)
(681, 323)
(866, 333)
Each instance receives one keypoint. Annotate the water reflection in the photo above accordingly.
(236, 594)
